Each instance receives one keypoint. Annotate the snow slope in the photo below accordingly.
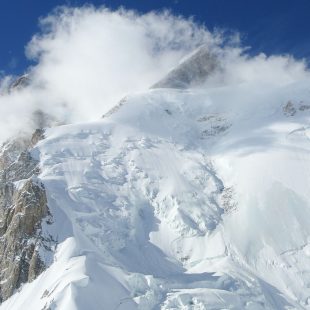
(180, 199)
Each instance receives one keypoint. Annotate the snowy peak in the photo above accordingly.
(192, 71)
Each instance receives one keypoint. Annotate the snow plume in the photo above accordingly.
(88, 58)
(238, 68)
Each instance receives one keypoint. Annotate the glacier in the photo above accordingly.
(179, 198)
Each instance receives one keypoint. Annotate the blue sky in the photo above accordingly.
(269, 26)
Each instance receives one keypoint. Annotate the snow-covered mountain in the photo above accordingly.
(192, 71)
(179, 198)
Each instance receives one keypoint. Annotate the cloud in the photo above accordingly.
(88, 58)
(274, 71)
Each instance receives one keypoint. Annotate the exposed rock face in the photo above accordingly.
(11, 85)
(21, 82)
(292, 108)
(23, 206)
(192, 71)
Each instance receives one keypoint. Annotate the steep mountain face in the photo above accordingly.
(20, 83)
(23, 206)
(192, 71)
(176, 199)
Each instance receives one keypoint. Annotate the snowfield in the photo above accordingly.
(180, 199)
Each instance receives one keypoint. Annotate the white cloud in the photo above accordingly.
(274, 71)
(88, 59)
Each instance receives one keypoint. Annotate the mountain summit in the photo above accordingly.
(192, 71)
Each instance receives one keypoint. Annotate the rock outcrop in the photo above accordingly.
(23, 206)
(21, 82)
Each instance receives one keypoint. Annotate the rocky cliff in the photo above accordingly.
(23, 206)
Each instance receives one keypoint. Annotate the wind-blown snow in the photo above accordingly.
(180, 199)
(87, 58)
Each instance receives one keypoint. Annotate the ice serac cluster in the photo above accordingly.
(182, 197)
